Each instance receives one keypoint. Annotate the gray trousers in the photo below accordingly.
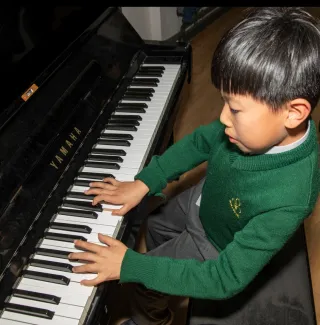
(174, 231)
(280, 295)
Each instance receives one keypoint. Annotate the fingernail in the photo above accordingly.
(69, 256)
(90, 184)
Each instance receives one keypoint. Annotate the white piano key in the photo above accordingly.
(145, 117)
(159, 88)
(73, 294)
(124, 177)
(126, 163)
(128, 150)
(55, 259)
(75, 277)
(9, 322)
(124, 171)
(145, 133)
(25, 319)
(104, 218)
(94, 227)
(93, 237)
(58, 244)
(140, 135)
(59, 310)
(167, 66)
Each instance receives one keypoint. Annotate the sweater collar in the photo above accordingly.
(242, 161)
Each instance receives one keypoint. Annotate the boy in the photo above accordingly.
(261, 182)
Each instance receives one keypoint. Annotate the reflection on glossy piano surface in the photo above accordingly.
(83, 97)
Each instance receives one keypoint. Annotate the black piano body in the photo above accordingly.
(65, 70)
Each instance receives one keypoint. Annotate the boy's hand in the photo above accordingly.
(128, 194)
(104, 260)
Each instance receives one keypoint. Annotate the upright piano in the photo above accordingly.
(83, 97)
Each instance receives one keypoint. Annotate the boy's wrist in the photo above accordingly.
(142, 186)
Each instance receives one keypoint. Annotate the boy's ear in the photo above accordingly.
(297, 111)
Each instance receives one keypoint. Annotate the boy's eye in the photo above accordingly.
(233, 111)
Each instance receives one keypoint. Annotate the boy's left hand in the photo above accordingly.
(104, 260)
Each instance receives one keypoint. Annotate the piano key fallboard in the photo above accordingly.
(107, 130)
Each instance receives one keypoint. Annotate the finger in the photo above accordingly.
(111, 180)
(100, 191)
(87, 246)
(122, 211)
(99, 279)
(110, 241)
(94, 190)
(113, 199)
(86, 268)
(84, 256)
(97, 184)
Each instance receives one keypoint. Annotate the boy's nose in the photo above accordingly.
(224, 116)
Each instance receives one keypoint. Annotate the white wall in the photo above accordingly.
(153, 23)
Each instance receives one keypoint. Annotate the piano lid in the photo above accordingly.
(32, 36)
(76, 48)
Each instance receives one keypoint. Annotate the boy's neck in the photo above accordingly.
(295, 134)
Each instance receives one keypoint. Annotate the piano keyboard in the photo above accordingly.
(48, 292)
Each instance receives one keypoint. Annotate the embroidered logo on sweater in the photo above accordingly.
(235, 204)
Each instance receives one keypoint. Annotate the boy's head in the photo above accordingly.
(268, 71)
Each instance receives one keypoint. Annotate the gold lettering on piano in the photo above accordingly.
(53, 165)
(77, 130)
(59, 159)
(63, 151)
(69, 144)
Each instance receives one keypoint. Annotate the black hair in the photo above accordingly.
(272, 55)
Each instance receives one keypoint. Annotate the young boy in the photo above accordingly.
(261, 182)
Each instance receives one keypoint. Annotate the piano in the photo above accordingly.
(84, 97)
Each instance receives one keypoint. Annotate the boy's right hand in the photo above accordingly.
(128, 194)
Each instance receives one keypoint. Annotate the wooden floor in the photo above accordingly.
(200, 105)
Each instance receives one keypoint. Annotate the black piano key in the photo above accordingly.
(109, 152)
(52, 253)
(30, 311)
(144, 83)
(118, 136)
(140, 90)
(104, 165)
(96, 176)
(36, 296)
(46, 277)
(149, 74)
(119, 127)
(82, 205)
(79, 213)
(153, 67)
(63, 237)
(162, 60)
(71, 227)
(132, 105)
(121, 143)
(138, 93)
(123, 122)
(57, 266)
(145, 80)
(80, 195)
(105, 158)
(130, 110)
(141, 97)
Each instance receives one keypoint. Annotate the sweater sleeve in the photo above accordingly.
(236, 266)
(182, 156)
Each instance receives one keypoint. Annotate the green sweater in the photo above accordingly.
(250, 206)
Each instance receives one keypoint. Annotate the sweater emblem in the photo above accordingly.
(235, 204)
